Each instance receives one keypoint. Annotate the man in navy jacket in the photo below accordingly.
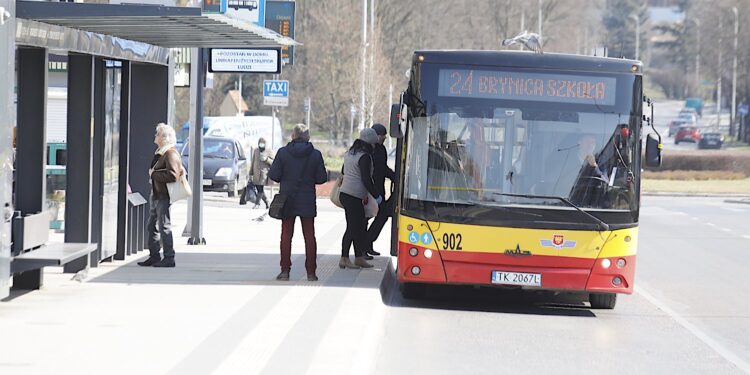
(298, 166)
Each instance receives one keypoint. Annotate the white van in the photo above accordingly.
(246, 129)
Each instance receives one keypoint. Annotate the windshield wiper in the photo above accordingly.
(601, 225)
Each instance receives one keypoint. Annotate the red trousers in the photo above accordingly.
(311, 247)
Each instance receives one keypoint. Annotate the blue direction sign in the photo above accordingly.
(276, 93)
(743, 110)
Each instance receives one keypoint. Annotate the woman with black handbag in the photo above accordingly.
(298, 167)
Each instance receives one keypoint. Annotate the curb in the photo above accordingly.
(743, 197)
(741, 201)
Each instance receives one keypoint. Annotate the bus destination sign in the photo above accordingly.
(502, 85)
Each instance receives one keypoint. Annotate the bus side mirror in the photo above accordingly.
(653, 151)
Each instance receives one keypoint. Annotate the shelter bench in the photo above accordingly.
(31, 252)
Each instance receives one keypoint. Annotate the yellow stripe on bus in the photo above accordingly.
(488, 239)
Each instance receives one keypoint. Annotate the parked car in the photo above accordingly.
(687, 134)
(688, 117)
(226, 167)
(711, 140)
(689, 110)
(676, 124)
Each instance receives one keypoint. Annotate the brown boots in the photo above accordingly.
(346, 263)
(359, 262)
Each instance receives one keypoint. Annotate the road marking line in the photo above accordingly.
(253, 352)
(711, 224)
(697, 332)
(726, 229)
(745, 236)
(734, 209)
(694, 218)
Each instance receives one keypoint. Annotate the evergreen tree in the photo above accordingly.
(619, 23)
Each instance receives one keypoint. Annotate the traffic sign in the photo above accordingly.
(276, 93)
(245, 60)
(307, 104)
(743, 110)
(247, 10)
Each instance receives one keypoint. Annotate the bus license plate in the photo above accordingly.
(207, 182)
(516, 278)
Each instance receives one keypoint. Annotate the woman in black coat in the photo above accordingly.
(298, 167)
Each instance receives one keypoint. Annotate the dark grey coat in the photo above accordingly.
(287, 168)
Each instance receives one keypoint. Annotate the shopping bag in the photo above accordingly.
(371, 207)
(336, 192)
(179, 189)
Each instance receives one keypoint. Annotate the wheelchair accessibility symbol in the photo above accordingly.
(413, 237)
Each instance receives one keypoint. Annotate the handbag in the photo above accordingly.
(179, 189)
(336, 192)
(281, 205)
(371, 207)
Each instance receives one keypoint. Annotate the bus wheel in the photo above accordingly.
(413, 291)
(603, 300)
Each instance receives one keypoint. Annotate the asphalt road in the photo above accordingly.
(222, 312)
(667, 110)
(690, 312)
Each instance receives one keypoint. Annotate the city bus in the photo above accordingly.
(520, 170)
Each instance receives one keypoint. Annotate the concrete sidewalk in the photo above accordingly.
(219, 311)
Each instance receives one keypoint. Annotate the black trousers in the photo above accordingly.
(159, 228)
(356, 226)
(261, 195)
(384, 213)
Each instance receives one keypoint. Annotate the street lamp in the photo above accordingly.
(698, 55)
(637, 33)
(734, 72)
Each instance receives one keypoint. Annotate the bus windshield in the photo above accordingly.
(480, 152)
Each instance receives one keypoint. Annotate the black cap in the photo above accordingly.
(380, 129)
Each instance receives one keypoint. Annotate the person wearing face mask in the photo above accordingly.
(261, 164)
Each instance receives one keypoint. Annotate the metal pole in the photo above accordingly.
(196, 147)
(390, 101)
(523, 22)
(540, 20)
(364, 63)
(7, 110)
(734, 72)
(309, 109)
(273, 117)
(698, 58)
(371, 112)
(351, 125)
(637, 34)
(239, 99)
(718, 81)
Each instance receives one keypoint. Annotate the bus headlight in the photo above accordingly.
(606, 263)
(428, 253)
(413, 251)
(621, 263)
(416, 270)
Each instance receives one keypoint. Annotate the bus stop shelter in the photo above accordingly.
(119, 86)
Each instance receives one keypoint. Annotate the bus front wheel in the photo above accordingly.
(413, 291)
(603, 300)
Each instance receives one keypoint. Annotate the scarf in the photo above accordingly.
(163, 150)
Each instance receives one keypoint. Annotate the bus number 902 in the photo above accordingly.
(452, 241)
